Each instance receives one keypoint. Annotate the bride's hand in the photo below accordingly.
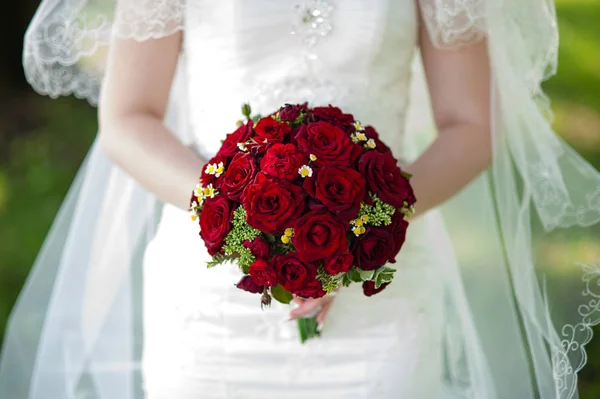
(308, 308)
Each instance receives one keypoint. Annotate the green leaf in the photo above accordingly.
(346, 281)
(219, 259)
(354, 275)
(281, 295)
(270, 239)
(407, 175)
(383, 275)
(366, 275)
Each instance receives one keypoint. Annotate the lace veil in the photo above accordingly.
(510, 331)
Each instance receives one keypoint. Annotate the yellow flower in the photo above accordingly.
(357, 222)
(313, 157)
(354, 138)
(194, 217)
(305, 171)
(289, 232)
(198, 191)
(357, 230)
(365, 218)
(285, 239)
(371, 143)
(361, 136)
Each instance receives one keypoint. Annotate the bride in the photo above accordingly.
(120, 303)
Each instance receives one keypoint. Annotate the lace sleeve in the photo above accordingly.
(454, 23)
(66, 41)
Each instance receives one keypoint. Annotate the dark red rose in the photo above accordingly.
(338, 264)
(215, 223)
(371, 133)
(318, 235)
(214, 179)
(259, 248)
(370, 290)
(373, 249)
(272, 205)
(268, 130)
(230, 145)
(289, 112)
(239, 174)
(263, 273)
(283, 161)
(293, 274)
(314, 289)
(398, 231)
(333, 115)
(328, 143)
(247, 283)
(385, 178)
(341, 189)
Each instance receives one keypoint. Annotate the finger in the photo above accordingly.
(306, 308)
(323, 313)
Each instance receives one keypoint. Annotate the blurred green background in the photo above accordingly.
(43, 142)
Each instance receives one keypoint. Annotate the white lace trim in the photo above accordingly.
(571, 357)
(66, 42)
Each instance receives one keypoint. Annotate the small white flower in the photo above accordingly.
(305, 171)
(220, 169)
(361, 136)
(354, 138)
(211, 168)
(313, 157)
(358, 126)
(242, 147)
(371, 143)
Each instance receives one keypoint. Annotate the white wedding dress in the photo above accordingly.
(204, 338)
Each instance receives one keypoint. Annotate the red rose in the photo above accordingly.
(238, 175)
(398, 231)
(269, 130)
(328, 143)
(272, 205)
(385, 178)
(318, 235)
(333, 115)
(338, 264)
(289, 113)
(282, 161)
(259, 248)
(293, 274)
(370, 290)
(263, 273)
(247, 283)
(340, 189)
(314, 289)
(230, 146)
(373, 249)
(214, 179)
(371, 133)
(215, 223)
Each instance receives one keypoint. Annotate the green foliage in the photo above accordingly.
(381, 275)
(240, 232)
(379, 213)
(330, 283)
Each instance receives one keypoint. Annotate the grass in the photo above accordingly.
(41, 151)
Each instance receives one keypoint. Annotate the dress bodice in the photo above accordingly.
(355, 54)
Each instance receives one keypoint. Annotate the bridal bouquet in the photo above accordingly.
(304, 201)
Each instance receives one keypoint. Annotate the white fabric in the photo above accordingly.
(202, 334)
(77, 330)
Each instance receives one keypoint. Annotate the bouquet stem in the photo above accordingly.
(308, 328)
